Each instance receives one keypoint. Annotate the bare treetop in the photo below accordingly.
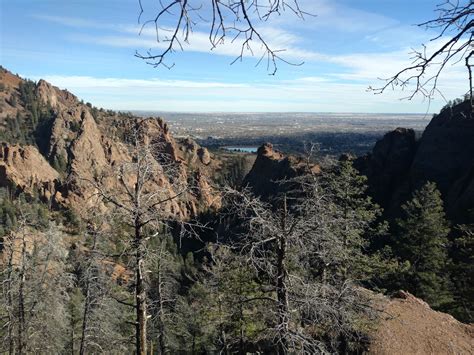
(455, 25)
(236, 20)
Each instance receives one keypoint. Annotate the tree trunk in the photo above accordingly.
(11, 317)
(85, 319)
(161, 330)
(87, 301)
(140, 293)
(468, 65)
(282, 292)
(21, 300)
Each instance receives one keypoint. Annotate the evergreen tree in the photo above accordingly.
(422, 242)
(462, 274)
(235, 309)
(353, 220)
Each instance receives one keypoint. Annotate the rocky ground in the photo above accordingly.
(409, 326)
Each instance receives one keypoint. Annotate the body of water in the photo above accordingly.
(242, 149)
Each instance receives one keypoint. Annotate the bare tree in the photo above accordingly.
(101, 315)
(144, 193)
(236, 20)
(455, 24)
(34, 284)
(301, 246)
(164, 264)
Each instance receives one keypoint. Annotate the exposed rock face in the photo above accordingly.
(26, 170)
(9, 98)
(204, 156)
(388, 166)
(446, 150)
(270, 168)
(58, 99)
(409, 326)
(444, 154)
(81, 148)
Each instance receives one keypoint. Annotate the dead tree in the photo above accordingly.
(142, 192)
(274, 239)
(469, 69)
(163, 263)
(290, 243)
(34, 288)
(456, 22)
(235, 20)
(101, 315)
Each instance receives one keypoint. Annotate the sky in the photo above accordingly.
(88, 47)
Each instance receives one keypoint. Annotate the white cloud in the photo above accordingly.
(343, 85)
(302, 94)
(75, 22)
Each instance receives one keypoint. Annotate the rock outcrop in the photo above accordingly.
(9, 105)
(24, 169)
(58, 99)
(80, 143)
(407, 325)
(399, 164)
(271, 167)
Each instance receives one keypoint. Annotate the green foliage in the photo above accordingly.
(75, 314)
(165, 265)
(75, 126)
(60, 164)
(451, 103)
(71, 219)
(32, 128)
(234, 170)
(357, 224)
(230, 316)
(36, 282)
(11, 210)
(13, 101)
(422, 242)
(462, 274)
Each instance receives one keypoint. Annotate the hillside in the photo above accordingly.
(408, 325)
(53, 144)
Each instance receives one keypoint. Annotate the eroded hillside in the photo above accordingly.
(56, 146)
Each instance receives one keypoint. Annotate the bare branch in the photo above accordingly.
(455, 20)
(236, 19)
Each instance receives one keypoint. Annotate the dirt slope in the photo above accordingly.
(409, 326)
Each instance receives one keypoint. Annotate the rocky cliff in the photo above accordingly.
(63, 144)
(24, 169)
(400, 164)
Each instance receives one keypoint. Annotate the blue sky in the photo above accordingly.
(88, 46)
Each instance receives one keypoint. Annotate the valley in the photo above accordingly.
(335, 133)
(88, 193)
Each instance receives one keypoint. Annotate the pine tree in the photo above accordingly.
(353, 220)
(422, 241)
(462, 274)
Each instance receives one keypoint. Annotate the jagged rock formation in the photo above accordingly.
(444, 154)
(24, 169)
(8, 95)
(407, 325)
(80, 142)
(271, 168)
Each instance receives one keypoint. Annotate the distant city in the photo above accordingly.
(336, 133)
(247, 125)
